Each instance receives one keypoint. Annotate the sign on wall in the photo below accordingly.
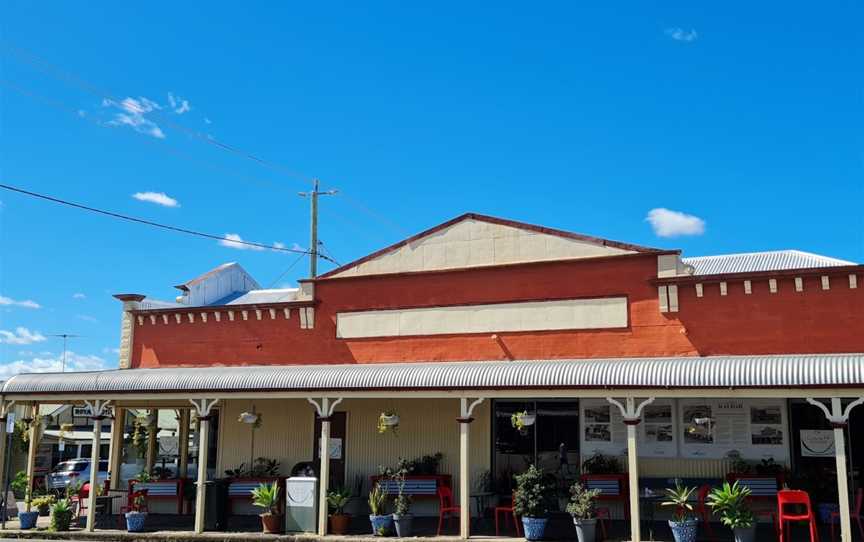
(817, 443)
(603, 429)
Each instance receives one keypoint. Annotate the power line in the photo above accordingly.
(151, 223)
(46, 67)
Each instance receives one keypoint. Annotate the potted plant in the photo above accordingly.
(388, 421)
(135, 518)
(28, 517)
(338, 499)
(521, 421)
(602, 464)
(382, 523)
(581, 509)
(683, 524)
(43, 504)
(266, 496)
(61, 515)
(730, 504)
(531, 502)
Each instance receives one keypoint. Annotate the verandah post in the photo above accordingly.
(325, 411)
(839, 419)
(203, 408)
(97, 410)
(632, 415)
(115, 450)
(465, 419)
(33, 427)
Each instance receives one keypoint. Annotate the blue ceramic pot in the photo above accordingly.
(135, 521)
(381, 525)
(684, 531)
(28, 519)
(535, 528)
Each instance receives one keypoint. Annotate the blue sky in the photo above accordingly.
(582, 117)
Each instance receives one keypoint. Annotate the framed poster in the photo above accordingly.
(716, 428)
(817, 443)
(657, 435)
(602, 428)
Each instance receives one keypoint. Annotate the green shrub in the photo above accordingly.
(533, 493)
(730, 504)
(266, 496)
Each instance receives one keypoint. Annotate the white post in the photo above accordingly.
(632, 415)
(31, 451)
(152, 440)
(324, 474)
(465, 419)
(115, 454)
(97, 408)
(5, 406)
(839, 418)
(325, 411)
(203, 407)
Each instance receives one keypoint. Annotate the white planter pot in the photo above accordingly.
(390, 421)
(528, 419)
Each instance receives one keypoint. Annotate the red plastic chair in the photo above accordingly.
(703, 511)
(446, 507)
(799, 499)
(508, 512)
(82, 498)
(856, 514)
(130, 505)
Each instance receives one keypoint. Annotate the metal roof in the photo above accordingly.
(787, 371)
(751, 262)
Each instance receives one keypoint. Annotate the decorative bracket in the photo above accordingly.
(203, 407)
(838, 417)
(632, 413)
(5, 407)
(97, 408)
(325, 408)
(466, 408)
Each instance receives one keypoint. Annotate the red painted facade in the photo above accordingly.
(812, 321)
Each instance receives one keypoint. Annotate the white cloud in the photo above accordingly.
(231, 241)
(133, 114)
(87, 318)
(21, 335)
(679, 34)
(178, 104)
(159, 198)
(115, 351)
(26, 303)
(78, 295)
(207, 121)
(47, 362)
(668, 223)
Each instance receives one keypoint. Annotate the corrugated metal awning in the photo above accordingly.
(787, 371)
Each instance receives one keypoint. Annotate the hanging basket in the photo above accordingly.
(248, 417)
(390, 420)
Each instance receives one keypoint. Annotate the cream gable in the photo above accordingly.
(471, 243)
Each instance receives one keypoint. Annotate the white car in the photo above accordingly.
(74, 470)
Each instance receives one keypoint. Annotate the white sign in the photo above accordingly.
(10, 423)
(715, 428)
(817, 443)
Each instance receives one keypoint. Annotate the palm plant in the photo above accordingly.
(729, 502)
(338, 499)
(377, 500)
(679, 498)
(266, 496)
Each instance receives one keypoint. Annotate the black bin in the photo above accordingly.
(216, 505)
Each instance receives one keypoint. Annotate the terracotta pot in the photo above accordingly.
(272, 523)
(339, 523)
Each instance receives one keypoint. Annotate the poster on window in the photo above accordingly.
(718, 428)
(603, 429)
(657, 430)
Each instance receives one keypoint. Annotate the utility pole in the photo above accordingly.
(313, 226)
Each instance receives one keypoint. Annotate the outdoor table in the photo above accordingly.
(648, 501)
(481, 501)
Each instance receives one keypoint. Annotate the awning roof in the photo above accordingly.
(787, 371)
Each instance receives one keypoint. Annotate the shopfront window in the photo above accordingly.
(551, 441)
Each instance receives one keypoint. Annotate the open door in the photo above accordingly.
(337, 448)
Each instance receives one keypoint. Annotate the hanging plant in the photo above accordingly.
(521, 421)
(388, 421)
(251, 418)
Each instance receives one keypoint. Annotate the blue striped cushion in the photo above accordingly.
(606, 487)
(412, 487)
(156, 490)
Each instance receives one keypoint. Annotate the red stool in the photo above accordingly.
(703, 512)
(446, 507)
(798, 498)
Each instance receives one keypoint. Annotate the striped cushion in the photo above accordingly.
(760, 487)
(412, 487)
(607, 487)
(156, 489)
(242, 489)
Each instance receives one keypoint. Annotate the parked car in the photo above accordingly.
(74, 469)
